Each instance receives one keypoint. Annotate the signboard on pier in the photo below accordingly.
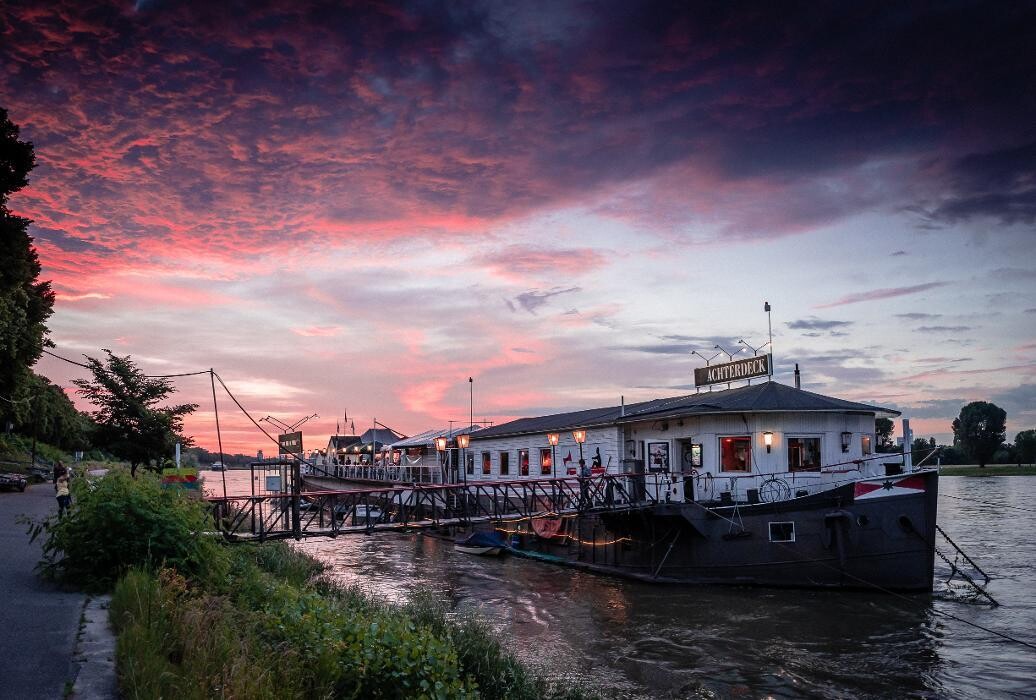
(748, 368)
(290, 444)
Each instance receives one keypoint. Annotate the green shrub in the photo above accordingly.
(118, 522)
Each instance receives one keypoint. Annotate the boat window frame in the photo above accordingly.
(505, 462)
(523, 470)
(546, 464)
(866, 444)
(487, 463)
(819, 437)
(769, 528)
(748, 465)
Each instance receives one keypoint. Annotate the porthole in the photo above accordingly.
(782, 532)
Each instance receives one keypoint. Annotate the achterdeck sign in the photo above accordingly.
(732, 371)
(290, 443)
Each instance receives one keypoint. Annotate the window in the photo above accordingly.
(782, 532)
(505, 463)
(735, 454)
(523, 462)
(867, 444)
(487, 463)
(803, 454)
(471, 463)
(545, 463)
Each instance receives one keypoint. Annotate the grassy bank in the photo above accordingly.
(197, 618)
(989, 470)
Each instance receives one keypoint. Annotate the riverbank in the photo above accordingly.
(199, 618)
(988, 470)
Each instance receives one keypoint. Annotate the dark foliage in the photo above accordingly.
(25, 302)
(130, 424)
(980, 430)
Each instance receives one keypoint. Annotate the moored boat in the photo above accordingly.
(482, 543)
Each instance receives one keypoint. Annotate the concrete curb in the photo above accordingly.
(95, 653)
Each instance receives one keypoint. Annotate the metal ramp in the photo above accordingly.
(414, 507)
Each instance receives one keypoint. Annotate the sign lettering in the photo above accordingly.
(290, 443)
(748, 368)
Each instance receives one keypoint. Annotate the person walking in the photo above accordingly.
(61, 490)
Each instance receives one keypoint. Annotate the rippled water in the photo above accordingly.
(639, 640)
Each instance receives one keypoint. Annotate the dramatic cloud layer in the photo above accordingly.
(367, 203)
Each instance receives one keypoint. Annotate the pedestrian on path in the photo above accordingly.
(61, 490)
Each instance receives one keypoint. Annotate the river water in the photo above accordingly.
(636, 640)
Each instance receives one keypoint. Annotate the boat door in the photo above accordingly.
(690, 466)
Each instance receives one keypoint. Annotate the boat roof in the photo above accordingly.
(766, 397)
(427, 438)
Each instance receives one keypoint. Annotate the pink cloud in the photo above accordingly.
(318, 331)
(876, 294)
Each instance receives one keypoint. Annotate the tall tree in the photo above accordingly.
(980, 429)
(130, 424)
(883, 428)
(25, 302)
(1025, 446)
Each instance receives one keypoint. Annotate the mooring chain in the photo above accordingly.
(954, 569)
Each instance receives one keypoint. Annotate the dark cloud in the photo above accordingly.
(815, 324)
(898, 253)
(936, 408)
(250, 127)
(1000, 184)
(918, 316)
(534, 299)
(1017, 400)
(1030, 311)
(943, 329)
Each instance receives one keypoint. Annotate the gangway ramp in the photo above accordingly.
(414, 507)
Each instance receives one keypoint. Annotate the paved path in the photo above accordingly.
(38, 623)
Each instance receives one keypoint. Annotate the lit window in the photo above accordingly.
(487, 463)
(505, 463)
(782, 532)
(803, 454)
(545, 460)
(866, 444)
(523, 462)
(735, 454)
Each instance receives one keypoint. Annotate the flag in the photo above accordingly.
(567, 459)
(338, 428)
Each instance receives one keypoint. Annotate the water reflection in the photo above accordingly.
(639, 640)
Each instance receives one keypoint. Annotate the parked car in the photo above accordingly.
(13, 482)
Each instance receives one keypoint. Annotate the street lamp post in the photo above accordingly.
(441, 444)
(462, 442)
(580, 437)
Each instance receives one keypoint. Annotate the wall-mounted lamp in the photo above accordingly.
(579, 436)
(847, 438)
(463, 441)
(553, 438)
(440, 444)
(768, 441)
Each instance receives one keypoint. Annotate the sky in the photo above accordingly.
(357, 206)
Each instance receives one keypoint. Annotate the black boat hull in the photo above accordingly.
(876, 536)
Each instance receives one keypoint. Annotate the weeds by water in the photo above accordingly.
(278, 628)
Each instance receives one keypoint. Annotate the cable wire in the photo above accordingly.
(148, 376)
